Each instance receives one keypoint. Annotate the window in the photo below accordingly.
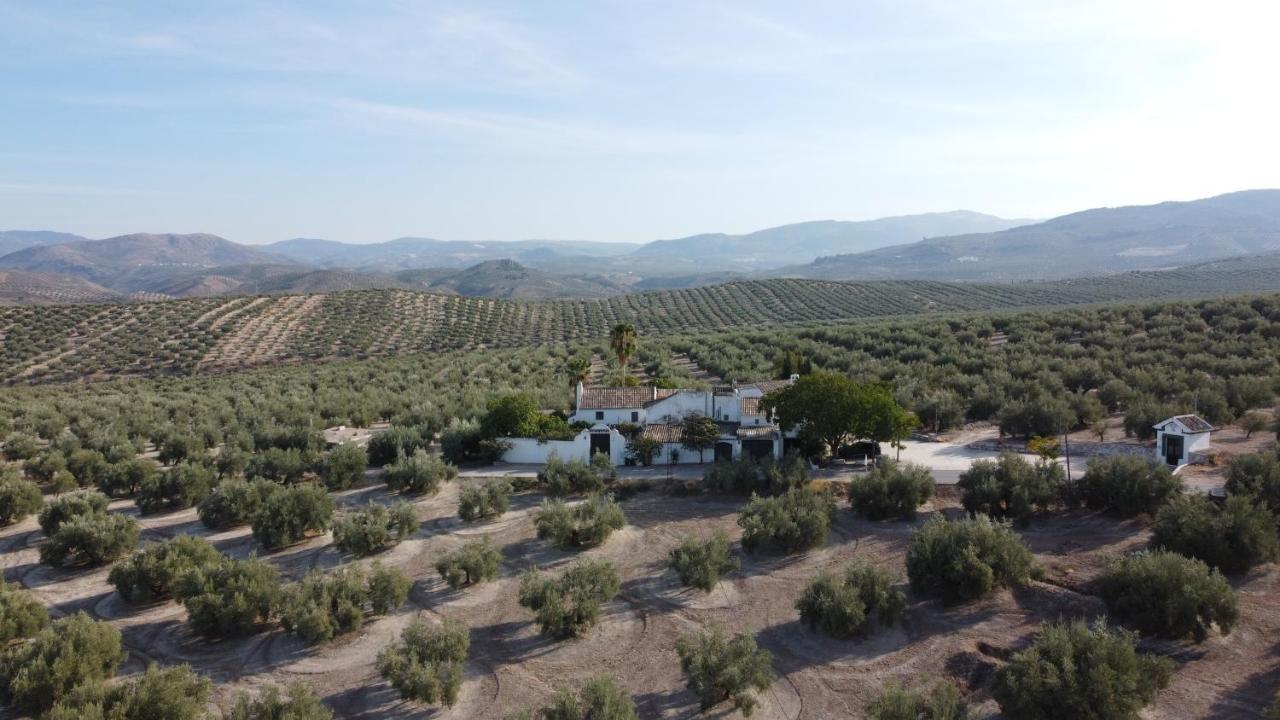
(635, 416)
(599, 414)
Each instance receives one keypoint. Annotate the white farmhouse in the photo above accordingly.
(1179, 437)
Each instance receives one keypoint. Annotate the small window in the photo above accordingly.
(635, 416)
(599, 414)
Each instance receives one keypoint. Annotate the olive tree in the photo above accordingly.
(296, 702)
(426, 665)
(328, 603)
(701, 562)
(175, 693)
(18, 498)
(573, 477)
(418, 474)
(586, 524)
(1233, 538)
(72, 651)
(599, 698)
(569, 604)
(1011, 487)
(90, 540)
(473, 562)
(149, 574)
(1257, 475)
(229, 597)
(1127, 485)
(941, 702)
(71, 505)
(1167, 594)
(792, 522)
(842, 604)
(490, 499)
(235, 502)
(182, 486)
(966, 559)
(720, 668)
(375, 528)
(891, 491)
(344, 466)
(125, 477)
(292, 514)
(21, 614)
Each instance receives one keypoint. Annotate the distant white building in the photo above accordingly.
(1181, 436)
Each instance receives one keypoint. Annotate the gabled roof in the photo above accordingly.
(619, 398)
(1186, 424)
(763, 431)
(767, 386)
(668, 433)
(750, 406)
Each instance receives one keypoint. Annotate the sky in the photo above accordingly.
(619, 121)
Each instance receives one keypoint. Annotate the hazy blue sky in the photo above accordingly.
(628, 120)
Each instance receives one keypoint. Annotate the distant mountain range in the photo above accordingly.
(958, 246)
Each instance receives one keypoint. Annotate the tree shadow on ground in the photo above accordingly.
(514, 642)
(1252, 697)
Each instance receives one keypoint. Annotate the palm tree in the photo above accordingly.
(579, 370)
(622, 340)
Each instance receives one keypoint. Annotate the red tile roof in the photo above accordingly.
(750, 406)
(662, 433)
(617, 398)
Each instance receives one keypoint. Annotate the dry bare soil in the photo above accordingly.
(511, 665)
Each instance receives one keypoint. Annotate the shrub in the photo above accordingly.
(44, 466)
(1011, 487)
(740, 477)
(375, 528)
(796, 521)
(700, 563)
(965, 559)
(344, 466)
(389, 444)
(70, 506)
(941, 702)
(73, 651)
(1127, 485)
(87, 467)
(182, 486)
(235, 502)
(719, 668)
(229, 597)
(488, 500)
(328, 603)
(289, 515)
(569, 604)
(1073, 671)
(1166, 594)
(21, 614)
(1257, 475)
(600, 698)
(586, 524)
(20, 447)
(173, 693)
(125, 477)
(298, 702)
(1233, 538)
(149, 574)
(891, 491)
(90, 540)
(476, 561)
(426, 665)
(388, 588)
(418, 474)
(574, 477)
(842, 606)
(283, 465)
(18, 498)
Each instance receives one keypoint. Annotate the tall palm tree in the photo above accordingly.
(579, 370)
(622, 340)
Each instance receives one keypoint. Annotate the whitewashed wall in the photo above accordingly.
(531, 451)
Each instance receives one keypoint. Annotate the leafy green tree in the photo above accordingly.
(418, 474)
(600, 698)
(21, 614)
(578, 369)
(297, 702)
(173, 693)
(473, 562)
(1038, 415)
(1073, 671)
(1127, 485)
(235, 502)
(18, 498)
(325, 604)
(1233, 538)
(1257, 475)
(514, 415)
(1167, 594)
(283, 465)
(841, 605)
(490, 499)
(87, 466)
(644, 449)
(941, 702)
(701, 562)
(20, 446)
(1011, 487)
(426, 665)
(390, 444)
(291, 515)
(832, 409)
(891, 491)
(69, 506)
(719, 668)
(182, 486)
(375, 528)
(963, 560)
(125, 477)
(44, 466)
(586, 524)
(229, 597)
(344, 466)
(796, 521)
(569, 604)
(1252, 422)
(699, 433)
(573, 477)
(149, 574)
(622, 341)
(90, 540)
(73, 651)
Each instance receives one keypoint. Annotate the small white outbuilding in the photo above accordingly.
(1180, 436)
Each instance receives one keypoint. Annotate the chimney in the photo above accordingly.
(795, 377)
(653, 392)
(577, 396)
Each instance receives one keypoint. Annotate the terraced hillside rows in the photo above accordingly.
(65, 343)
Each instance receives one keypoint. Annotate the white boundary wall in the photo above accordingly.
(531, 451)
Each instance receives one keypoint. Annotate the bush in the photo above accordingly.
(375, 528)
(182, 486)
(87, 466)
(488, 500)
(125, 477)
(599, 699)
(283, 465)
(1166, 594)
(298, 702)
(173, 693)
(740, 477)
(1127, 485)
(569, 604)
(20, 447)
(21, 614)
(574, 477)
(388, 589)
(18, 498)
(941, 702)
(291, 514)
(700, 563)
(796, 521)
(235, 502)
(586, 524)
(73, 651)
(1257, 475)
(891, 491)
(719, 668)
(328, 603)
(229, 597)
(842, 606)
(965, 559)
(426, 665)
(1073, 671)
(418, 474)
(90, 540)
(474, 562)
(1011, 487)
(72, 505)
(1233, 538)
(390, 444)
(344, 466)
(149, 574)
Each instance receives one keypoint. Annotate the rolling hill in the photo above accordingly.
(28, 288)
(1092, 242)
(510, 279)
(15, 240)
(409, 253)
